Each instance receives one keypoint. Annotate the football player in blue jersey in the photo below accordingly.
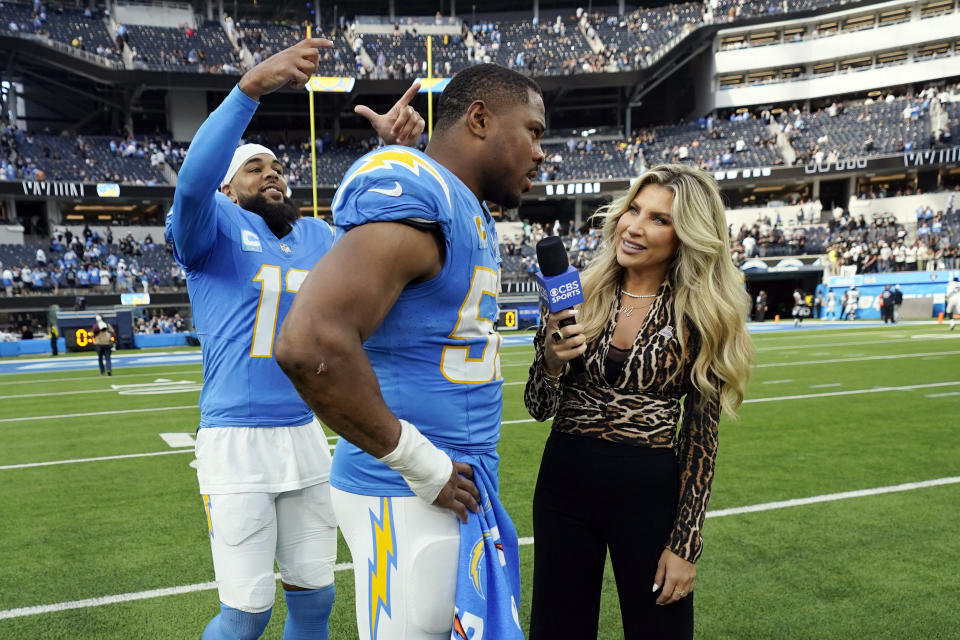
(391, 341)
(263, 461)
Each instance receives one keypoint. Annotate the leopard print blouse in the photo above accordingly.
(642, 408)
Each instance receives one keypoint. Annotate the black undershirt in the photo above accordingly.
(614, 362)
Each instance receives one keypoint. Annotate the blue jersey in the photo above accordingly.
(436, 354)
(241, 279)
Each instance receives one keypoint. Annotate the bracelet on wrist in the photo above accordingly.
(553, 381)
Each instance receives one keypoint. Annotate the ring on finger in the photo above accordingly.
(681, 592)
(557, 336)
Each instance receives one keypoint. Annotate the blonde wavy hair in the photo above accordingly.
(707, 288)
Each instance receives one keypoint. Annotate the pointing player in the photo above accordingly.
(391, 342)
(262, 459)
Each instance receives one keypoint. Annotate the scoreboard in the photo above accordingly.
(76, 328)
(508, 320)
(519, 315)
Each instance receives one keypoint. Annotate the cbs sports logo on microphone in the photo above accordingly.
(565, 292)
(560, 292)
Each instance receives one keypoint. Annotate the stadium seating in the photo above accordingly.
(643, 33)
(156, 262)
(541, 48)
(183, 49)
(595, 161)
(263, 39)
(713, 145)
(404, 55)
(845, 134)
(69, 26)
(88, 159)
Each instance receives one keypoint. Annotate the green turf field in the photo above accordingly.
(828, 412)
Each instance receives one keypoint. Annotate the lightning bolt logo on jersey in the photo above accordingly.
(436, 354)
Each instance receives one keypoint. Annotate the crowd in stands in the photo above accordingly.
(731, 10)
(203, 48)
(881, 245)
(563, 43)
(126, 159)
(91, 262)
(263, 39)
(88, 262)
(633, 40)
(159, 323)
(559, 43)
(84, 30)
(768, 237)
(711, 143)
(740, 139)
(402, 54)
(891, 124)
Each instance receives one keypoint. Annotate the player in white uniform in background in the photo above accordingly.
(953, 302)
(853, 301)
(831, 310)
(263, 462)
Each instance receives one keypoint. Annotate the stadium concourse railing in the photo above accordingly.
(64, 48)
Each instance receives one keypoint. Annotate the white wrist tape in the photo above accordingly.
(425, 468)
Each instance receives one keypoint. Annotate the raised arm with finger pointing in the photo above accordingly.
(401, 124)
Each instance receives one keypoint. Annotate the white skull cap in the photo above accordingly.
(240, 156)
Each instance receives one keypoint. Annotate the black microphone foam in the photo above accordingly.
(552, 260)
(551, 256)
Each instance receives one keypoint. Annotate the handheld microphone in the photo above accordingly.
(559, 285)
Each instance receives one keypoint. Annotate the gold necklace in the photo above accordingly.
(628, 311)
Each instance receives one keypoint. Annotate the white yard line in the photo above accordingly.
(347, 566)
(30, 465)
(92, 377)
(826, 384)
(776, 381)
(887, 338)
(56, 393)
(832, 497)
(98, 413)
(892, 356)
(942, 395)
(853, 392)
(181, 387)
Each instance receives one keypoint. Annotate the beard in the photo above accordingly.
(279, 216)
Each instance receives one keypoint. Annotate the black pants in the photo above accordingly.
(593, 495)
(103, 354)
(886, 311)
